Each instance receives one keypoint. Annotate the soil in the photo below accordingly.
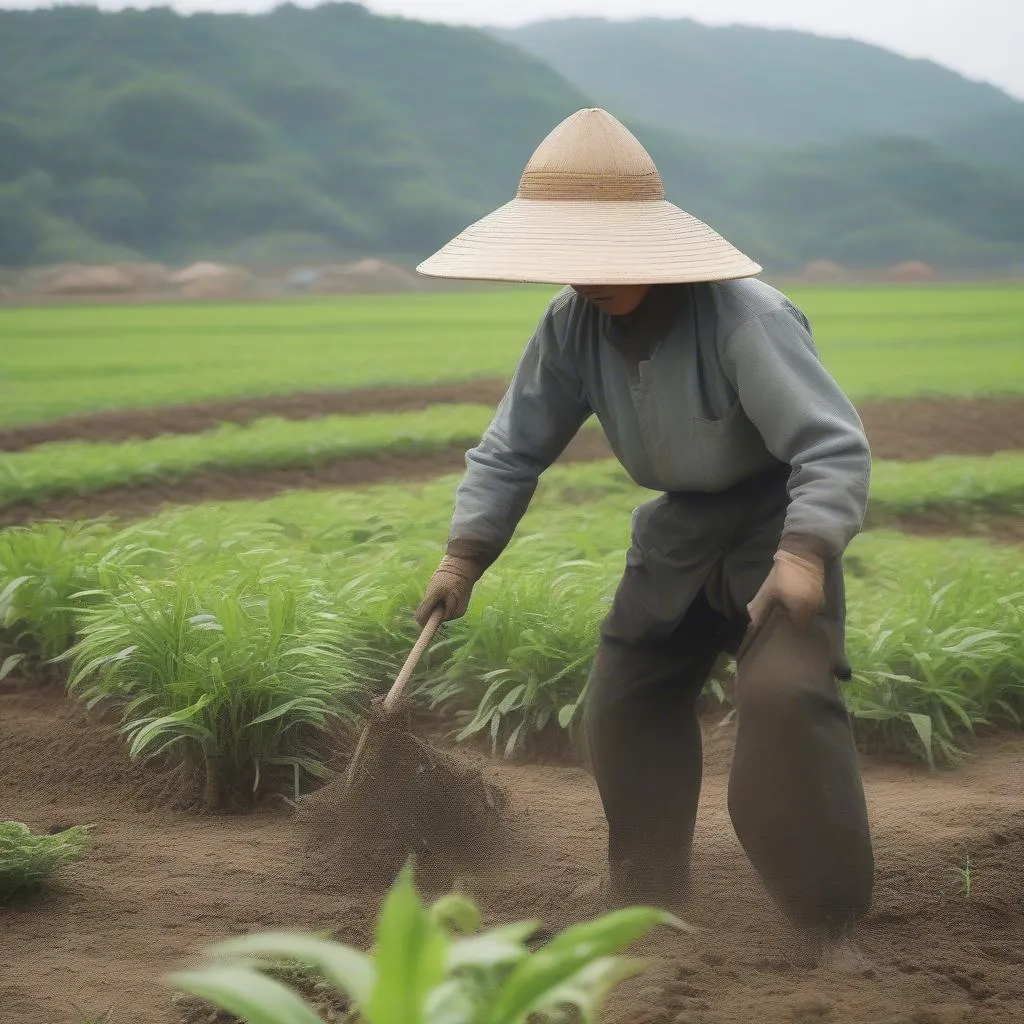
(915, 428)
(998, 528)
(912, 429)
(192, 417)
(162, 884)
(135, 501)
(921, 428)
(406, 798)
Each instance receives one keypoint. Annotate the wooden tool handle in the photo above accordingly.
(397, 688)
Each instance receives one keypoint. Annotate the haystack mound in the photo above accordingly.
(204, 280)
(368, 276)
(146, 276)
(88, 280)
(824, 270)
(911, 270)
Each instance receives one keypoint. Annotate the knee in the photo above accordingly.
(787, 699)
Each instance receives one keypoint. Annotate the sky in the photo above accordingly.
(982, 39)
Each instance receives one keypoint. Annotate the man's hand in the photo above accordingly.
(452, 586)
(797, 582)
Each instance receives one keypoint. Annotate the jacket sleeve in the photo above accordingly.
(807, 421)
(542, 410)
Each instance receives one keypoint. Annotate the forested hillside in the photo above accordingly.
(331, 131)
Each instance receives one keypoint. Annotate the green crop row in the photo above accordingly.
(81, 467)
(955, 483)
(879, 342)
(236, 634)
(990, 484)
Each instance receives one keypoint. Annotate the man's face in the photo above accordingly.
(614, 299)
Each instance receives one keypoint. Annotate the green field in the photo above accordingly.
(237, 631)
(994, 484)
(237, 645)
(878, 342)
(303, 601)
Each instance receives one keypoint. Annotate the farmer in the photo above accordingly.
(710, 390)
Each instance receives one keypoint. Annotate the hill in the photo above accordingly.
(761, 86)
(151, 131)
(337, 133)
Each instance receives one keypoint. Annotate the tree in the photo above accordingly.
(109, 208)
(170, 119)
(21, 228)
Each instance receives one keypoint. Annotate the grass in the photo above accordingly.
(236, 664)
(936, 628)
(994, 483)
(937, 642)
(962, 484)
(41, 569)
(28, 859)
(966, 876)
(81, 467)
(878, 342)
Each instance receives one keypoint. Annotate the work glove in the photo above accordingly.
(797, 582)
(452, 586)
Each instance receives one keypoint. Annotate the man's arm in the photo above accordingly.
(807, 421)
(541, 412)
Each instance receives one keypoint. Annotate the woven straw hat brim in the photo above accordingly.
(589, 242)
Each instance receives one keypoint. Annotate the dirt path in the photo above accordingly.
(945, 522)
(906, 428)
(192, 417)
(897, 430)
(159, 885)
(135, 501)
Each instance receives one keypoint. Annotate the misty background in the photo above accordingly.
(337, 132)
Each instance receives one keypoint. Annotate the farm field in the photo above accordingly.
(60, 361)
(189, 641)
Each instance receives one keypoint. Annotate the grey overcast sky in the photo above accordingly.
(983, 39)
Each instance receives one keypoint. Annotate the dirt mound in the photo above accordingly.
(911, 270)
(408, 800)
(89, 280)
(363, 277)
(824, 270)
(160, 886)
(139, 424)
(205, 280)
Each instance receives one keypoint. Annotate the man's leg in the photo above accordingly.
(645, 749)
(795, 793)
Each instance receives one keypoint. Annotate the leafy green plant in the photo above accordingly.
(41, 569)
(539, 627)
(237, 665)
(87, 1018)
(426, 969)
(948, 660)
(933, 663)
(966, 876)
(994, 483)
(28, 859)
(64, 467)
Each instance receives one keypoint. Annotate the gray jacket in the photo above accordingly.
(702, 387)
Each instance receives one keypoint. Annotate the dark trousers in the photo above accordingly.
(795, 793)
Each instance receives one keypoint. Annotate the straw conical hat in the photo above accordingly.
(590, 209)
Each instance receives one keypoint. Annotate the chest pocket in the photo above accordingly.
(728, 449)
